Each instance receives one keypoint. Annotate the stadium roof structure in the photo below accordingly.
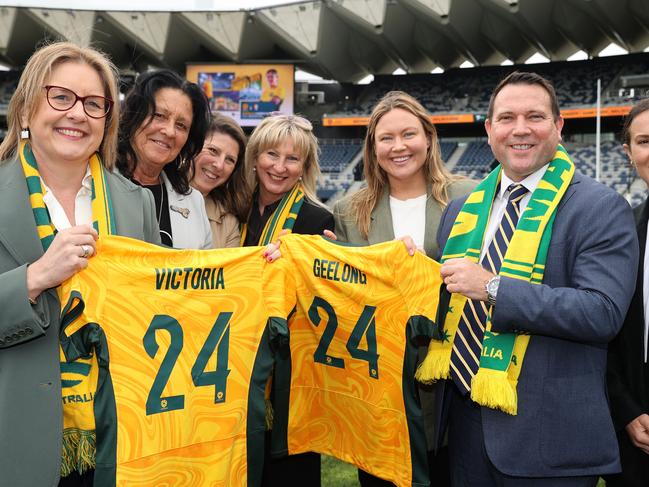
(343, 40)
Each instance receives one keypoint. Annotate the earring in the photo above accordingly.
(254, 168)
(300, 179)
(24, 133)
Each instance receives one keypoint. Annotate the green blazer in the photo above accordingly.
(381, 230)
(30, 378)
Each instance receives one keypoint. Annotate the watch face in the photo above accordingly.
(492, 286)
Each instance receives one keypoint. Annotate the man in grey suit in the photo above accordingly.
(562, 433)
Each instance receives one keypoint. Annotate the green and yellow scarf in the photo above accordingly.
(78, 378)
(283, 218)
(494, 385)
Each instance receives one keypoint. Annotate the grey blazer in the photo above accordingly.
(564, 427)
(30, 384)
(381, 230)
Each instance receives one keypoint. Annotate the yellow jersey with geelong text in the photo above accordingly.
(183, 340)
(348, 387)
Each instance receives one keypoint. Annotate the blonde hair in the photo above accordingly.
(29, 93)
(271, 132)
(436, 175)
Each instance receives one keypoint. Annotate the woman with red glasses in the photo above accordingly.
(58, 193)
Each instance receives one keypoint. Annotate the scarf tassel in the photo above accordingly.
(492, 388)
(434, 367)
(78, 451)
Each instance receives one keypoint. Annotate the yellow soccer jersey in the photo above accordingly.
(269, 93)
(349, 385)
(184, 353)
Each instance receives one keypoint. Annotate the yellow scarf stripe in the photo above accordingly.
(283, 218)
(79, 377)
(495, 383)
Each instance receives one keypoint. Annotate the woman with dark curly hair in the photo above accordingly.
(164, 122)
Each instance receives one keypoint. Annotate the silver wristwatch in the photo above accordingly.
(492, 289)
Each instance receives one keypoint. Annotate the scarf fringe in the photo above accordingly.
(492, 388)
(78, 451)
(434, 367)
(269, 414)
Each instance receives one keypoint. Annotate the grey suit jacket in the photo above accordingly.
(564, 426)
(381, 230)
(30, 384)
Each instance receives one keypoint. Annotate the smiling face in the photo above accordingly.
(523, 133)
(278, 170)
(401, 146)
(272, 78)
(638, 147)
(161, 137)
(68, 136)
(216, 162)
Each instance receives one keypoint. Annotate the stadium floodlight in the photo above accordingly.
(306, 77)
(612, 50)
(507, 62)
(467, 64)
(537, 58)
(437, 70)
(578, 56)
(398, 71)
(367, 80)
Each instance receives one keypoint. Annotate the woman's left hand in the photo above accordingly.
(272, 252)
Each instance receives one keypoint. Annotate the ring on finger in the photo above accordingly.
(86, 251)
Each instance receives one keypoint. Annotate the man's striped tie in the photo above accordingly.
(467, 345)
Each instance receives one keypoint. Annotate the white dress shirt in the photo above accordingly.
(500, 202)
(82, 204)
(645, 295)
(409, 218)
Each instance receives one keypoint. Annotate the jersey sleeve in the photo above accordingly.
(278, 285)
(422, 288)
(79, 324)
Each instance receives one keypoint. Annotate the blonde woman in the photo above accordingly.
(407, 189)
(57, 188)
(282, 164)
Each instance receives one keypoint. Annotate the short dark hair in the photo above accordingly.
(526, 78)
(137, 110)
(640, 107)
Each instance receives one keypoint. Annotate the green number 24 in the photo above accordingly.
(365, 326)
(218, 339)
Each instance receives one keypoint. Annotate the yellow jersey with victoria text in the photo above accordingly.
(348, 388)
(184, 344)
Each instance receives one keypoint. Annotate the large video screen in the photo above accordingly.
(246, 92)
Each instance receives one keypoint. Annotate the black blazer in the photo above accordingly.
(628, 375)
(313, 219)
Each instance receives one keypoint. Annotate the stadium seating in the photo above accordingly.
(335, 157)
(475, 161)
(615, 169)
(468, 90)
(336, 154)
(447, 149)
